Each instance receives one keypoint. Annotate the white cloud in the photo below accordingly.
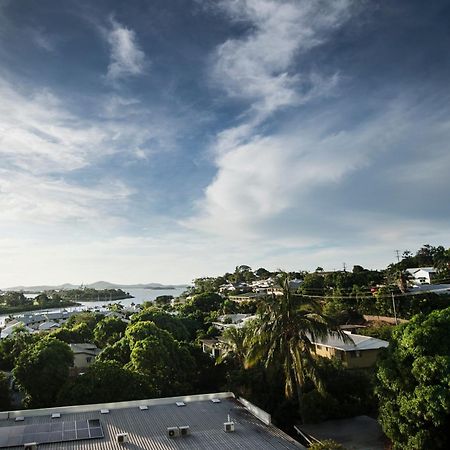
(259, 66)
(126, 57)
(42, 144)
(292, 188)
(44, 199)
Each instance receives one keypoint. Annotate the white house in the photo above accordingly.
(422, 275)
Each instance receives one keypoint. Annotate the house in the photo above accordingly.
(232, 321)
(278, 290)
(422, 275)
(14, 327)
(248, 297)
(212, 347)
(48, 326)
(356, 352)
(83, 355)
(213, 421)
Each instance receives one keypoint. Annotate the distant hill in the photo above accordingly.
(96, 285)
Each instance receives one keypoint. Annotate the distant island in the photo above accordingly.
(97, 285)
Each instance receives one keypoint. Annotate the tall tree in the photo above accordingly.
(282, 336)
(414, 384)
(41, 370)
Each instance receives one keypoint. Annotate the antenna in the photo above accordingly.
(398, 255)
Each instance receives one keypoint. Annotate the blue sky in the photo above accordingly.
(165, 140)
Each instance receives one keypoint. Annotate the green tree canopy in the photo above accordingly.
(206, 302)
(156, 354)
(41, 370)
(164, 321)
(108, 331)
(5, 400)
(414, 383)
(105, 382)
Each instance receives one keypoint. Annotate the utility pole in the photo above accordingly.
(398, 255)
(393, 306)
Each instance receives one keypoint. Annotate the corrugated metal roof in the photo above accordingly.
(147, 429)
(355, 342)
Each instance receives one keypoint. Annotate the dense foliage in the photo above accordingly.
(41, 370)
(414, 384)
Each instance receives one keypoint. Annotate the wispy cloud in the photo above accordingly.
(43, 40)
(126, 59)
(258, 67)
(43, 144)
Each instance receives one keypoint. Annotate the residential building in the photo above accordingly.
(209, 421)
(83, 355)
(249, 296)
(232, 321)
(355, 352)
(422, 275)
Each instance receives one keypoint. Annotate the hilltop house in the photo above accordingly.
(422, 275)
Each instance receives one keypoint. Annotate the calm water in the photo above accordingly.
(140, 296)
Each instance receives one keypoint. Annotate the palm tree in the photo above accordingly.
(233, 345)
(282, 336)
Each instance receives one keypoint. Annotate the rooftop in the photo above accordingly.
(146, 422)
(355, 342)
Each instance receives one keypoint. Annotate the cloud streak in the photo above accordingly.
(127, 58)
(258, 67)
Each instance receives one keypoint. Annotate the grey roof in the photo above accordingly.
(356, 342)
(85, 348)
(147, 429)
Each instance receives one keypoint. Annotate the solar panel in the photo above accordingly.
(45, 433)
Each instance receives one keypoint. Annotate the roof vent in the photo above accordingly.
(228, 427)
(143, 407)
(122, 438)
(215, 400)
(173, 432)
(56, 415)
(180, 404)
(19, 419)
(30, 446)
(104, 411)
(184, 430)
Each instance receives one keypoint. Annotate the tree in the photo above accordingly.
(167, 364)
(414, 383)
(75, 335)
(163, 300)
(105, 382)
(5, 400)
(41, 370)
(14, 299)
(235, 345)
(109, 330)
(327, 444)
(313, 284)
(282, 336)
(12, 346)
(206, 302)
(164, 321)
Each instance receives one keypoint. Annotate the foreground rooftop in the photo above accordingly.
(146, 423)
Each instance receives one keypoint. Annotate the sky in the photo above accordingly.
(167, 140)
